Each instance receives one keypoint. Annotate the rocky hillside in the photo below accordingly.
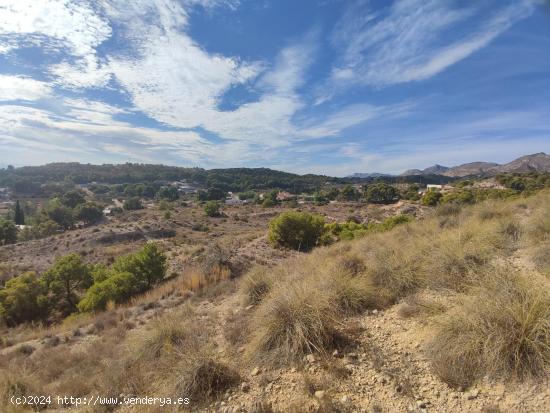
(536, 162)
(472, 168)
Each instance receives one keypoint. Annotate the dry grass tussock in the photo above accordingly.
(256, 284)
(501, 328)
(292, 321)
(202, 377)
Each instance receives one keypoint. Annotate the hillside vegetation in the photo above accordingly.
(448, 313)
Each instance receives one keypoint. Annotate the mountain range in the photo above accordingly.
(536, 162)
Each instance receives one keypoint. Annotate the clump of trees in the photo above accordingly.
(71, 285)
(168, 193)
(212, 194)
(132, 204)
(381, 193)
(89, 212)
(300, 231)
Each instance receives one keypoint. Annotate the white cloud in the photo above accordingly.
(85, 127)
(415, 39)
(76, 24)
(22, 88)
(75, 28)
(84, 73)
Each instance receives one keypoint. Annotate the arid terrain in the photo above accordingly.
(446, 314)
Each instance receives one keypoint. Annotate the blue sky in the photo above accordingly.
(326, 86)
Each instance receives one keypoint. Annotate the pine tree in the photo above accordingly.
(19, 214)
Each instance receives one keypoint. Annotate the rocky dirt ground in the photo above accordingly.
(383, 371)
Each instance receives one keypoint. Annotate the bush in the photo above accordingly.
(212, 209)
(352, 294)
(462, 196)
(431, 198)
(268, 203)
(148, 266)
(47, 228)
(346, 231)
(349, 193)
(296, 230)
(117, 288)
(72, 198)
(168, 193)
(391, 222)
(502, 329)
(21, 300)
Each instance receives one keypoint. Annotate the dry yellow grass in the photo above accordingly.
(501, 328)
(255, 285)
(292, 321)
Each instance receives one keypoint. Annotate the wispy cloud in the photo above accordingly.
(415, 39)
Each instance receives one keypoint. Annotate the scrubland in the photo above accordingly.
(450, 313)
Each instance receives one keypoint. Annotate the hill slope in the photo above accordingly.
(449, 314)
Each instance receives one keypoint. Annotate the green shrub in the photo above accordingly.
(72, 199)
(61, 214)
(147, 265)
(431, 198)
(296, 230)
(462, 196)
(391, 222)
(129, 275)
(21, 299)
(117, 287)
(212, 208)
(268, 203)
(347, 230)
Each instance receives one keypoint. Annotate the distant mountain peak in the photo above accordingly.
(535, 162)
